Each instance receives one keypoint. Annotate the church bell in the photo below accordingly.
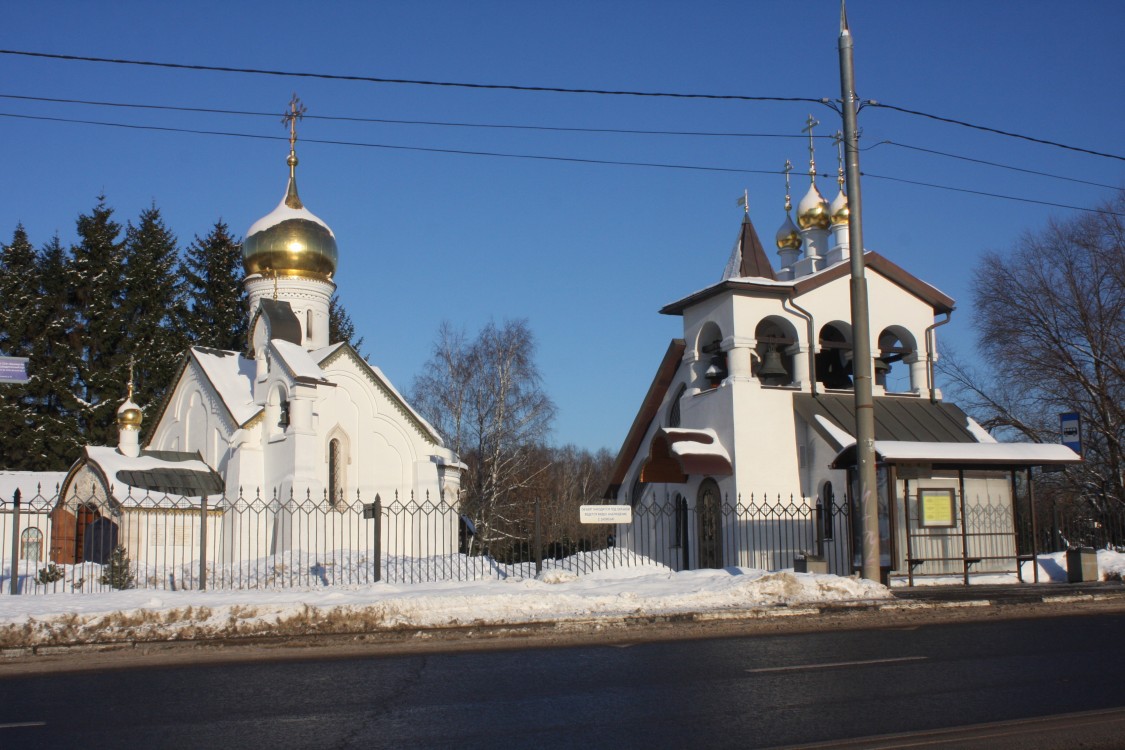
(772, 366)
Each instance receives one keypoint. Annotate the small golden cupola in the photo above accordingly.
(129, 418)
(788, 238)
(290, 241)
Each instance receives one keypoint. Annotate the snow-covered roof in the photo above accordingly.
(991, 454)
(285, 213)
(232, 376)
(133, 479)
(297, 360)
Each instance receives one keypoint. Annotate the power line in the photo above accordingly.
(990, 163)
(413, 82)
(536, 157)
(463, 152)
(534, 128)
(541, 89)
(991, 195)
(382, 120)
(997, 131)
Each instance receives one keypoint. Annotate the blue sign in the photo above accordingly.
(1070, 425)
(13, 370)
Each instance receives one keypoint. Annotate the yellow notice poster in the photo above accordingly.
(936, 508)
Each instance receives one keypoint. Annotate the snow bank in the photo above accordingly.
(556, 595)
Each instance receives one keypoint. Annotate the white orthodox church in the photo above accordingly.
(293, 418)
(755, 402)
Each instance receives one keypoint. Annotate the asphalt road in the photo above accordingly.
(746, 692)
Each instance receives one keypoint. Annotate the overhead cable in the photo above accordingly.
(997, 131)
(414, 82)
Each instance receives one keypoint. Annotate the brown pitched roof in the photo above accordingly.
(753, 260)
(649, 407)
(938, 300)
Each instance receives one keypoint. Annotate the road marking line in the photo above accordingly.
(17, 725)
(836, 665)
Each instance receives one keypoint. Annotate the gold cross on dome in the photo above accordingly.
(810, 124)
(295, 112)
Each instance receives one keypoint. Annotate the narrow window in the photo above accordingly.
(335, 475)
(308, 324)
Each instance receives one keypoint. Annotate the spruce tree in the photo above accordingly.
(40, 431)
(218, 301)
(152, 307)
(340, 325)
(54, 366)
(96, 277)
(17, 330)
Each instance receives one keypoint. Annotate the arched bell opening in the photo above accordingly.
(776, 344)
(896, 345)
(834, 356)
(711, 356)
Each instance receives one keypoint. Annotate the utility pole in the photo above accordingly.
(861, 325)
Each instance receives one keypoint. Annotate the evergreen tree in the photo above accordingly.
(213, 269)
(96, 277)
(17, 329)
(40, 432)
(152, 307)
(54, 366)
(340, 325)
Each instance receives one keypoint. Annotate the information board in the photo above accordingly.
(605, 514)
(13, 370)
(936, 508)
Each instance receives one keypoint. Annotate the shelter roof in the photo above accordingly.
(897, 418)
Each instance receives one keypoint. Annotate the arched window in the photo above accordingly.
(674, 409)
(335, 472)
(337, 457)
(31, 544)
(637, 490)
(308, 324)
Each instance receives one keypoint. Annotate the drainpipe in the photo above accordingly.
(930, 344)
(802, 312)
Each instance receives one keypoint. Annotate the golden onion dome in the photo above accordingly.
(838, 212)
(812, 211)
(129, 415)
(290, 240)
(788, 238)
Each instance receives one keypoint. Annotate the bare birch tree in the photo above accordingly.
(1050, 318)
(485, 397)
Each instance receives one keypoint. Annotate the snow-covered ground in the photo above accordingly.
(556, 594)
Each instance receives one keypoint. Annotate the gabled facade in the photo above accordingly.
(292, 425)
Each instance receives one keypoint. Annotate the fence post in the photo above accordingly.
(378, 538)
(203, 543)
(15, 586)
(537, 540)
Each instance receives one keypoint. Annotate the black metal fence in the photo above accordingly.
(758, 531)
(87, 543)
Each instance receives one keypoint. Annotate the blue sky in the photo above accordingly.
(587, 253)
